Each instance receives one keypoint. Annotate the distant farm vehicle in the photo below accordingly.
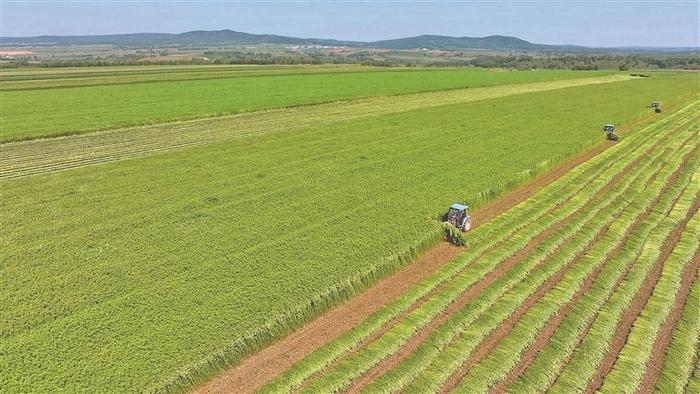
(656, 106)
(458, 216)
(610, 130)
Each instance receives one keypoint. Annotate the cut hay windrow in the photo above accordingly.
(579, 372)
(486, 374)
(682, 355)
(554, 355)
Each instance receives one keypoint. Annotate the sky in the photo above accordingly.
(583, 22)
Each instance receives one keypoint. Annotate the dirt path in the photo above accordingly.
(546, 333)
(663, 338)
(640, 299)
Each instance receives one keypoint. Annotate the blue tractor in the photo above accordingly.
(458, 216)
(610, 130)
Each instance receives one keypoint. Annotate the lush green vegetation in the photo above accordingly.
(31, 113)
(175, 264)
(602, 236)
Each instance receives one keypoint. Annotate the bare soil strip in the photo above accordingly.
(258, 369)
(640, 300)
(663, 338)
(528, 357)
(55, 154)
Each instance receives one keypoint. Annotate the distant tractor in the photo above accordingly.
(656, 106)
(610, 130)
(458, 216)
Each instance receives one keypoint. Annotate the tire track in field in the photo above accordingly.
(663, 338)
(62, 153)
(639, 301)
(473, 291)
(545, 334)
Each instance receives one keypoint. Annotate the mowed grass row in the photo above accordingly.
(585, 360)
(681, 359)
(550, 360)
(493, 233)
(354, 365)
(488, 372)
(147, 266)
(47, 155)
(31, 114)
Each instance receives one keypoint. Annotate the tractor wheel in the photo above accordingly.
(467, 226)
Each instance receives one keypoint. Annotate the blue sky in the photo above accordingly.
(590, 22)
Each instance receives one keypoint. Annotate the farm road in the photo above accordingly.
(20, 159)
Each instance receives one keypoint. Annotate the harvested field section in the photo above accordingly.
(452, 340)
(489, 236)
(462, 329)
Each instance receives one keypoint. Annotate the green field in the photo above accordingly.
(128, 274)
(64, 109)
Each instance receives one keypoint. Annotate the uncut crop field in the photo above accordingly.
(590, 285)
(152, 272)
(32, 111)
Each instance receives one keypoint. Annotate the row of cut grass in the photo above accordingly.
(551, 359)
(484, 375)
(632, 360)
(587, 357)
(682, 353)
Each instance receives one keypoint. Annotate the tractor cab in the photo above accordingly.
(656, 106)
(458, 216)
(610, 130)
